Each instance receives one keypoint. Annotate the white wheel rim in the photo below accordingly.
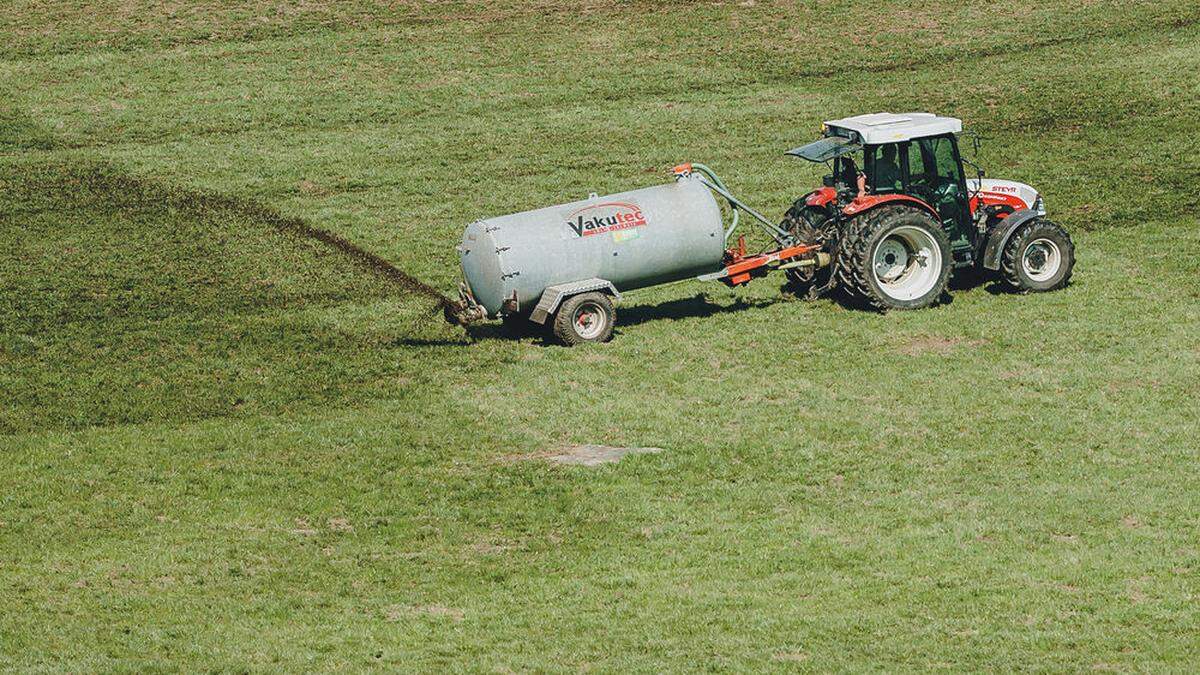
(1041, 259)
(589, 320)
(907, 263)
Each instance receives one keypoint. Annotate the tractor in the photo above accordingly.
(896, 215)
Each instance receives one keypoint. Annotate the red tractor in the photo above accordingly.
(897, 214)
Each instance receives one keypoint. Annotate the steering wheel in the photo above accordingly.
(946, 190)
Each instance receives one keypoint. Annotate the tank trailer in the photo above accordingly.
(894, 217)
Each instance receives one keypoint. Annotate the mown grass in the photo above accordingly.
(226, 447)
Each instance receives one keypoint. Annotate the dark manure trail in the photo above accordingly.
(366, 259)
(108, 181)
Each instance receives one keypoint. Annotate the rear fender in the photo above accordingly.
(1000, 235)
(864, 203)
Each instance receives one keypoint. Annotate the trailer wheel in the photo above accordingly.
(587, 317)
(1039, 256)
(894, 257)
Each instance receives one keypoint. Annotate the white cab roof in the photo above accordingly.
(885, 127)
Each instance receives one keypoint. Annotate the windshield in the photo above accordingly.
(846, 169)
(825, 149)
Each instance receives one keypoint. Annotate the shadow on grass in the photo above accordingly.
(695, 307)
(471, 335)
(973, 278)
(970, 278)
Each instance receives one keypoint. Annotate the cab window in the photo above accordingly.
(885, 174)
(936, 177)
(946, 165)
(917, 172)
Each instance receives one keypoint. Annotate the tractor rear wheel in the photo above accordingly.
(587, 317)
(894, 257)
(1039, 256)
(806, 224)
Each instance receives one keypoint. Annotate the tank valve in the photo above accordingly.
(510, 305)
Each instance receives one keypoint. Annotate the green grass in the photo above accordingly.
(228, 447)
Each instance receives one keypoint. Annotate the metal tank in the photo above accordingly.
(632, 239)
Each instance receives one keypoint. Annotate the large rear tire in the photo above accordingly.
(587, 317)
(894, 257)
(806, 224)
(1038, 257)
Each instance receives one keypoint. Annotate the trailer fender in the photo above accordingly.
(553, 296)
(1000, 235)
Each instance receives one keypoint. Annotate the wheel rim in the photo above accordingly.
(589, 320)
(907, 263)
(1041, 259)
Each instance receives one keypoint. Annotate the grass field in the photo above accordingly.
(226, 447)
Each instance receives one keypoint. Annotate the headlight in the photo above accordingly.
(1039, 206)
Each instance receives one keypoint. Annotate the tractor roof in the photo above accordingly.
(877, 128)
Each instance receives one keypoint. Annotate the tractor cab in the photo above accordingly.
(914, 155)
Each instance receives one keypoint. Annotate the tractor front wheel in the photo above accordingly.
(894, 257)
(1039, 256)
(587, 317)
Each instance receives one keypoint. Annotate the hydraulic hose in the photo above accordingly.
(712, 175)
(715, 184)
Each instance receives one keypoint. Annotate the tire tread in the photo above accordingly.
(1010, 257)
(853, 257)
(563, 329)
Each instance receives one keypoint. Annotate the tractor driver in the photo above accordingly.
(848, 173)
(887, 171)
(851, 177)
